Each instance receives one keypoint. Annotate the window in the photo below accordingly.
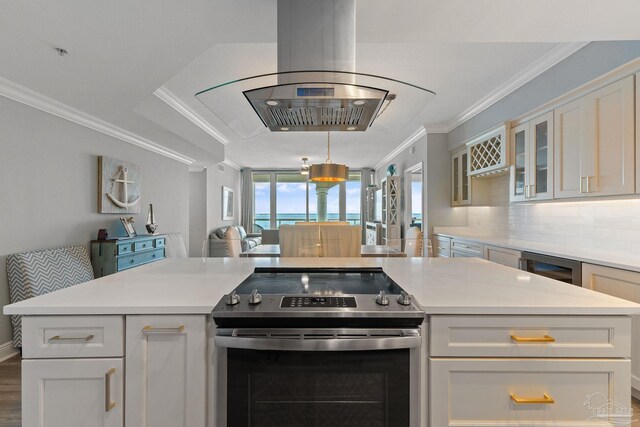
(287, 198)
(261, 202)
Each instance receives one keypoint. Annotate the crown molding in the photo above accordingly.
(174, 102)
(18, 93)
(400, 148)
(438, 129)
(542, 64)
(231, 164)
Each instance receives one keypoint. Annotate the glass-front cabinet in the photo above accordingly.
(531, 174)
(460, 179)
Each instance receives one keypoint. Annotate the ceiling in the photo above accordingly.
(137, 65)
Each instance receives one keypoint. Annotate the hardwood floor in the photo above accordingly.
(10, 409)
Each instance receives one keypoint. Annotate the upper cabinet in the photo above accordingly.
(488, 153)
(532, 171)
(460, 179)
(594, 138)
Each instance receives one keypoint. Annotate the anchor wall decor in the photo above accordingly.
(119, 186)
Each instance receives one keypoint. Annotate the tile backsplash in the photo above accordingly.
(611, 225)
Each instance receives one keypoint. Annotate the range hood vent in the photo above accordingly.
(316, 107)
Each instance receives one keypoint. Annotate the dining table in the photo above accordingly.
(366, 251)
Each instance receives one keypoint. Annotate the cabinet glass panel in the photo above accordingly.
(456, 181)
(465, 180)
(519, 163)
(541, 157)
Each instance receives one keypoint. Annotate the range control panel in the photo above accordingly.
(318, 302)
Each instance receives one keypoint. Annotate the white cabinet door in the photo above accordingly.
(540, 173)
(622, 284)
(570, 123)
(594, 143)
(638, 133)
(460, 179)
(504, 256)
(72, 393)
(518, 181)
(166, 371)
(607, 160)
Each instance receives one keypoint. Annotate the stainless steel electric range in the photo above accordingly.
(318, 347)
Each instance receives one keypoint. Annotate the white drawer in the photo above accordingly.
(72, 336)
(478, 392)
(457, 253)
(498, 336)
(467, 246)
(443, 246)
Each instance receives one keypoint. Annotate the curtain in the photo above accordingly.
(246, 201)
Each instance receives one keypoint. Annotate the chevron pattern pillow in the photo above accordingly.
(37, 273)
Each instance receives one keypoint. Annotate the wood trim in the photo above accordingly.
(7, 351)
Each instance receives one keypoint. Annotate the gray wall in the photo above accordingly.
(590, 62)
(197, 212)
(433, 152)
(48, 186)
(215, 180)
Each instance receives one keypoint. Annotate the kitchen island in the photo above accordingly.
(495, 340)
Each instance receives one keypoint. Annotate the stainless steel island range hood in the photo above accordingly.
(316, 87)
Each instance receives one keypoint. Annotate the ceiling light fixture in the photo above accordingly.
(327, 171)
(304, 169)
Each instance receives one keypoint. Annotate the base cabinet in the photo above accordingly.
(72, 392)
(166, 371)
(519, 392)
(622, 284)
(504, 256)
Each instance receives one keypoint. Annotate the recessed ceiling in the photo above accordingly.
(121, 52)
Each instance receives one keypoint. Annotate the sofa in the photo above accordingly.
(217, 244)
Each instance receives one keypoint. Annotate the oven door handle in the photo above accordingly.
(318, 341)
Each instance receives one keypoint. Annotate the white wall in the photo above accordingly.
(215, 180)
(197, 212)
(48, 186)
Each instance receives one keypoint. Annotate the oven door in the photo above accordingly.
(318, 377)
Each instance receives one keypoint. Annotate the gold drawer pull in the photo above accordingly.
(59, 338)
(546, 338)
(108, 403)
(544, 400)
(151, 330)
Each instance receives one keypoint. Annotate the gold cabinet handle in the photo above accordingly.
(151, 330)
(58, 338)
(546, 338)
(108, 403)
(544, 400)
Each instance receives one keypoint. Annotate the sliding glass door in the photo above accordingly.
(286, 197)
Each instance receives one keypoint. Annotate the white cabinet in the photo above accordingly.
(460, 179)
(504, 256)
(443, 246)
(622, 284)
(461, 248)
(391, 211)
(638, 133)
(532, 171)
(511, 371)
(526, 392)
(166, 371)
(594, 138)
(72, 392)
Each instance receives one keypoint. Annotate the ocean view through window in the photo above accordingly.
(285, 197)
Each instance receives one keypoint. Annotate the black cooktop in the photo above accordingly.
(320, 281)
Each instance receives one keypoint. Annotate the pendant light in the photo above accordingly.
(327, 171)
(304, 169)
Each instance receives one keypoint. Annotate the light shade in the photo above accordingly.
(328, 172)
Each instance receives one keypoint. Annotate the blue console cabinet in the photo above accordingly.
(111, 256)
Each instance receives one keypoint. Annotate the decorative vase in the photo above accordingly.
(151, 226)
(391, 170)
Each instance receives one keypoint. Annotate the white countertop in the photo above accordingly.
(625, 261)
(442, 286)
